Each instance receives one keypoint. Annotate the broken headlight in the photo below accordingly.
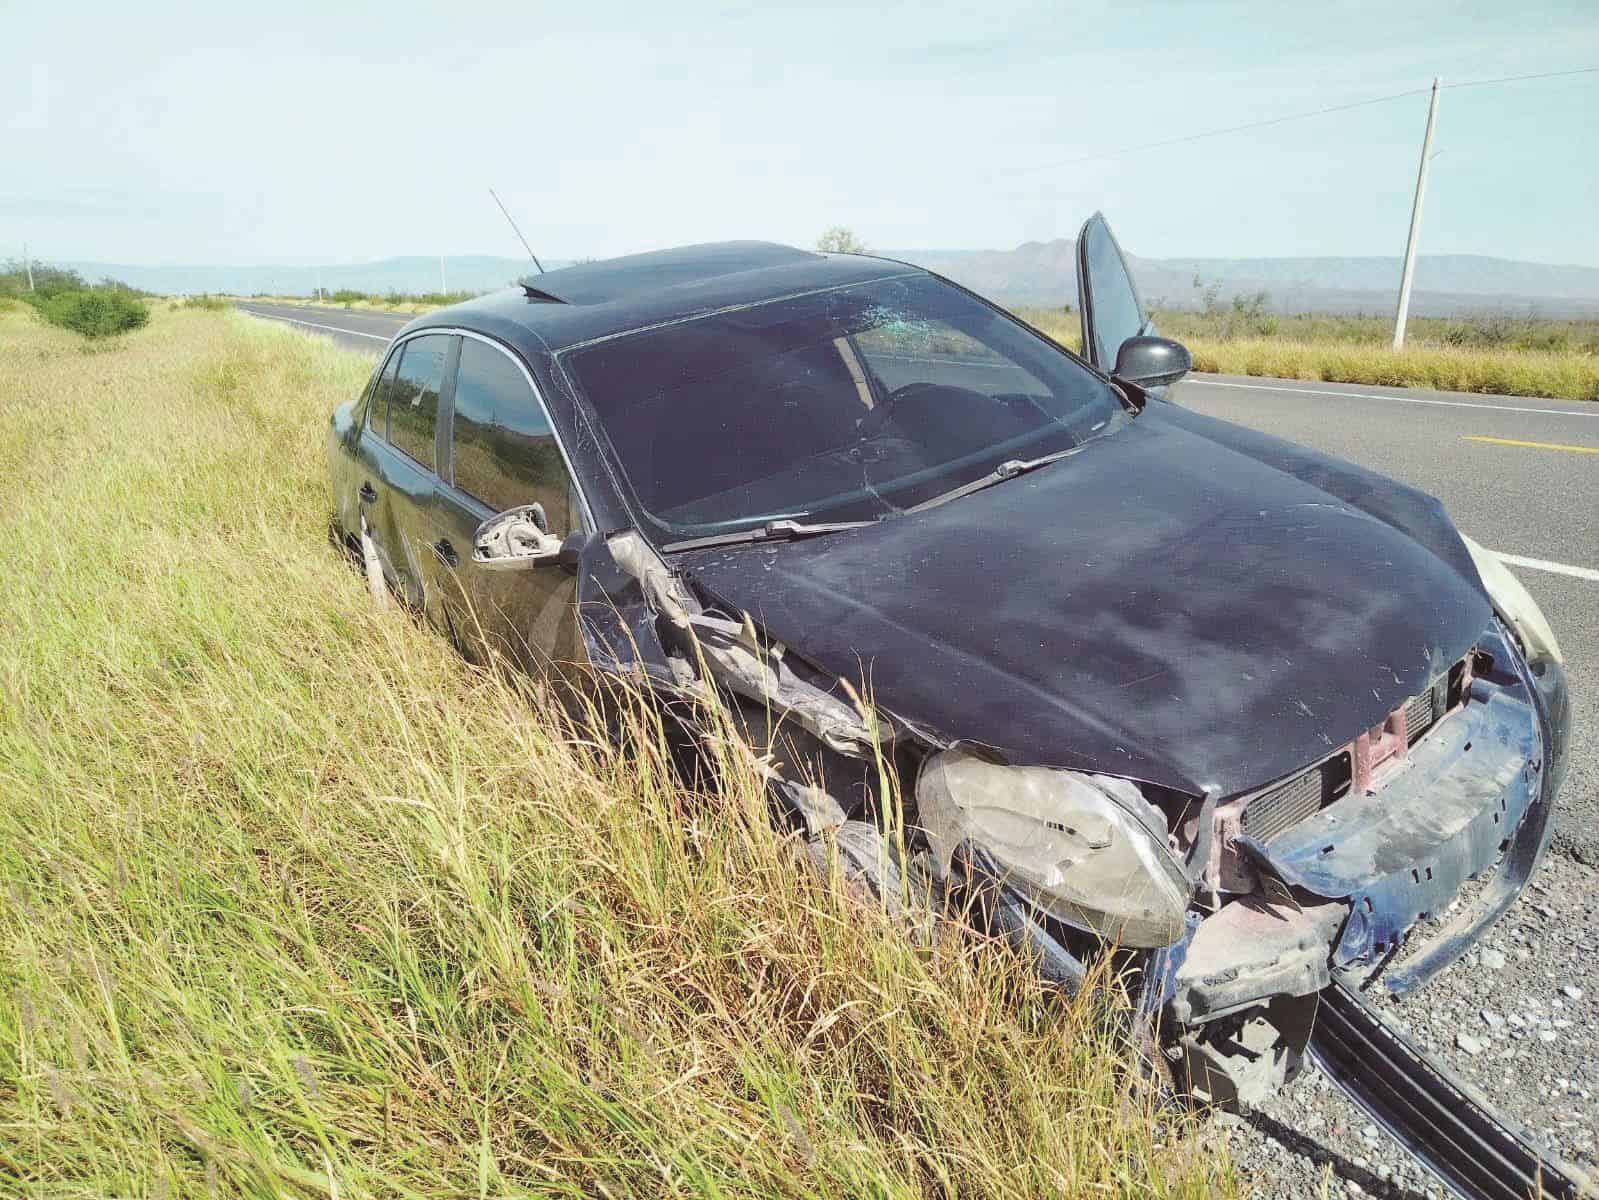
(1088, 850)
(1519, 610)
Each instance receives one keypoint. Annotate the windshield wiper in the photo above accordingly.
(1009, 469)
(772, 531)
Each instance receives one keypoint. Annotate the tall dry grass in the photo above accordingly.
(293, 902)
(1450, 356)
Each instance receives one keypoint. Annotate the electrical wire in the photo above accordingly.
(1210, 133)
(1444, 87)
(1194, 137)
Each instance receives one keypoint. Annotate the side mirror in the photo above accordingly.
(1146, 361)
(519, 538)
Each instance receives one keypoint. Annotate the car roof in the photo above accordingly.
(563, 308)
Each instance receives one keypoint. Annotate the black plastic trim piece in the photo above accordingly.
(1444, 1125)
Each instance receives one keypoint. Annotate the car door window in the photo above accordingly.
(377, 405)
(413, 399)
(504, 451)
(1111, 310)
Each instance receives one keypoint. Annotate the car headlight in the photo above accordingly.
(1089, 850)
(1515, 604)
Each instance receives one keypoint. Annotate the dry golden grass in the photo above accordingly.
(293, 902)
(399, 303)
(1331, 356)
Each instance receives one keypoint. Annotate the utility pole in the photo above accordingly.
(442, 289)
(1403, 314)
(27, 263)
(319, 284)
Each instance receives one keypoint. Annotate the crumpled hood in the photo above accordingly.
(1186, 602)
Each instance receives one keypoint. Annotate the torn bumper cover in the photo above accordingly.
(1474, 798)
(1478, 791)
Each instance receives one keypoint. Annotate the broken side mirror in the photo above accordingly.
(1147, 361)
(519, 538)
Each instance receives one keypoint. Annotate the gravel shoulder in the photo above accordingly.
(1516, 1018)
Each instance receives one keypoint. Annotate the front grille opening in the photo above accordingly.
(1280, 808)
(1287, 804)
(1426, 710)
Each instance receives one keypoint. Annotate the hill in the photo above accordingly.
(1034, 273)
(1446, 284)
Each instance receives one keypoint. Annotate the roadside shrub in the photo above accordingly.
(440, 299)
(207, 302)
(395, 299)
(93, 312)
(346, 296)
(46, 280)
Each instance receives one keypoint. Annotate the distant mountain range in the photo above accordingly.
(1040, 273)
(1446, 284)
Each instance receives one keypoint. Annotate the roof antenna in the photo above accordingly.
(518, 233)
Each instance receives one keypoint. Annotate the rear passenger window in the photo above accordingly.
(504, 450)
(414, 396)
(377, 404)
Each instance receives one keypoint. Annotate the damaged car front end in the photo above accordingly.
(1257, 926)
(1122, 680)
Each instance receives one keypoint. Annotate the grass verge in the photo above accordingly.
(1354, 350)
(295, 903)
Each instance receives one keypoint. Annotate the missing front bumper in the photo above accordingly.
(1476, 798)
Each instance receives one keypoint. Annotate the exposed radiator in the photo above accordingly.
(1303, 796)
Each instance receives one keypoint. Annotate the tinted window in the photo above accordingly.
(1115, 309)
(377, 406)
(414, 396)
(504, 451)
(848, 404)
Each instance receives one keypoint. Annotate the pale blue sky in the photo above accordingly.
(223, 133)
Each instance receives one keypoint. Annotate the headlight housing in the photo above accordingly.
(1088, 850)
(1515, 604)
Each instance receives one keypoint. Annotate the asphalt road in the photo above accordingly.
(1519, 475)
(355, 329)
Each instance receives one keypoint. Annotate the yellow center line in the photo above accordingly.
(1471, 437)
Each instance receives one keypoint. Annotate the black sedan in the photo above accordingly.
(1152, 681)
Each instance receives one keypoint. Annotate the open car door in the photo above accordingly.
(1111, 310)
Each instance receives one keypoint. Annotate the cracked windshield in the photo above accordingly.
(850, 404)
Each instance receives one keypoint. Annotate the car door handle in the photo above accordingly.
(446, 552)
(368, 493)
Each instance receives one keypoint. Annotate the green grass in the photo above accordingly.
(1520, 356)
(293, 902)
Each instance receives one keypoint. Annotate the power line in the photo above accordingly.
(1210, 133)
(1518, 78)
(1303, 116)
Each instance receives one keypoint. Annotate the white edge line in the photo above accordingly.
(382, 337)
(1540, 564)
(1266, 387)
